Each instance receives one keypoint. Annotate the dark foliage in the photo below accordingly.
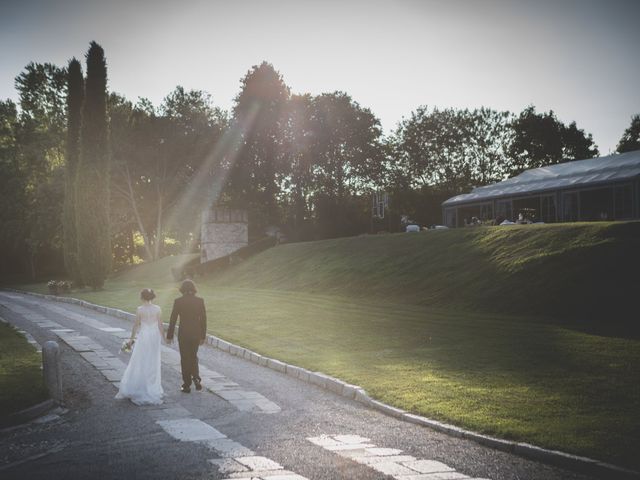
(540, 139)
(75, 97)
(92, 183)
(630, 140)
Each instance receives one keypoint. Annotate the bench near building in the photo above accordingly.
(604, 188)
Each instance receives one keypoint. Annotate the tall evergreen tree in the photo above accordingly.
(75, 97)
(92, 183)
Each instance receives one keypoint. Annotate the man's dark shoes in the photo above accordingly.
(198, 385)
(185, 389)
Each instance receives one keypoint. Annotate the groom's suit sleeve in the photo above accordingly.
(203, 322)
(172, 320)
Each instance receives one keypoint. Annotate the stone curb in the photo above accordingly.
(354, 392)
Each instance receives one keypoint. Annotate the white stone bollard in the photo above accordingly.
(51, 368)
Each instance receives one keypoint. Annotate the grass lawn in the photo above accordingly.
(416, 320)
(21, 383)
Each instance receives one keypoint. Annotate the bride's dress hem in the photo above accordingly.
(140, 402)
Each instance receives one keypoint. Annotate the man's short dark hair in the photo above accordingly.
(188, 288)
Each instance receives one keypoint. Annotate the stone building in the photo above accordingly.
(223, 231)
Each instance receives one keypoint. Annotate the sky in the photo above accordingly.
(579, 58)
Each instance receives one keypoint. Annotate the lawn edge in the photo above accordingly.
(358, 394)
(34, 411)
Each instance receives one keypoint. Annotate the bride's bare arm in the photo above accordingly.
(160, 325)
(136, 325)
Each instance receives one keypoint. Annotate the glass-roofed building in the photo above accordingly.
(604, 188)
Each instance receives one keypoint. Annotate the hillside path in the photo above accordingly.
(250, 422)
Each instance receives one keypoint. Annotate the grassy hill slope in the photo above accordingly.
(574, 270)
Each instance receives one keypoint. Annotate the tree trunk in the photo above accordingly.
(130, 197)
(132, 245)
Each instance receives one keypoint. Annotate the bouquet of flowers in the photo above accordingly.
(127, 345)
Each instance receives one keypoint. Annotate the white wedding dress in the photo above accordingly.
(141, 382)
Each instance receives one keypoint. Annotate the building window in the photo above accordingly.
(475, 214)
(570, 207)
(486, 212)
(596, 204)
(504, 210)
(623, 202)
(527, 208)
(548, 208)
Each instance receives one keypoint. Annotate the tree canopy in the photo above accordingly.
(631, 137)
(110, 179)
(92, 181)
(541, 139)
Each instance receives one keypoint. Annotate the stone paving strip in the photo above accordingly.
(237, 462)
(389, 461)
(218, 384)
(112, 368)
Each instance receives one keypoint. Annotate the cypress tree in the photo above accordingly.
(92, 183)
(75, 97)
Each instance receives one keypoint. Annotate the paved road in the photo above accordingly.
(250, 423)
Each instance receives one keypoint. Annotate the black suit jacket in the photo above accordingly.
(193, 318)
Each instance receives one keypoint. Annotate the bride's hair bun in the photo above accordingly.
(147, 294)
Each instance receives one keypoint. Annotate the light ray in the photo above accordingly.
(220, 161)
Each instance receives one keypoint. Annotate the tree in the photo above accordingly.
(13, 194)
(440, 153)
(75, 96)
(433, 148)
(92, 183)
(540, 139)
(163, 164)
(347, 148)
(631, 137)
(258, 114)
(576, 144)
(38, 154)
(489, 136)
(192, 154)
(297, 157)
(44, 218)
(347, 161)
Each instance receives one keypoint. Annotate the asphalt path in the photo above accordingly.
(251, 421)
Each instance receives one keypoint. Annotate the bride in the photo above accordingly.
(141, 379)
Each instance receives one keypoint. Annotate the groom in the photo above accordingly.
(191, 334)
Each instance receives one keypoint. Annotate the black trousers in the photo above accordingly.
(189, 359)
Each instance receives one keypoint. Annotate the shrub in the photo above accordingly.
(53, 287)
